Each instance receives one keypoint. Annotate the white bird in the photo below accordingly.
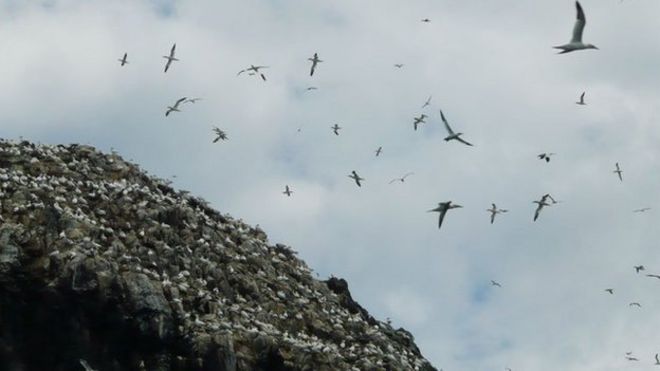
(170, 58)
(576, 41)
(428, 101)
(254, 70)
(287, 191)
(315, 60)
(442, 209)
(618, 171)
(123, 60)
(541, 203)
(402, 179)
(419, 120)
(335, 129)
(452, 135)
(356, 177)
(581, 101)
(494, 211)
(175, 107)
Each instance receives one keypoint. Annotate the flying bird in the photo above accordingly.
(287, 191)
(428, 102)
(170, 58)
(631, 358)
(611, 291)
(635, 304)
(452, 135)
(254, 70)
(398, 65)
(576, 41)
(495, 283)
(426, 20)
(378, 151)
(123, 60)
(219, 134)
(618, 171)
(639, 268)
(442, 209)
(335, 129)
(657, 360)
(175, 107)
(644, 209)
(541, 203)
(315, 60)
(581, 101)
(545, 156)
(402, 179)
(419, 120)
(312, 88)
(494, 211)
(356, 177)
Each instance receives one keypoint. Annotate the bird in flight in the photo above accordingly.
(635, 304)
(611, 291)
(631, 358)
(398, 65)
(618, 171)
(378, 151)
(428, 102)
(170, 58)
(426, 20)
(219, 134)
(419, 120)
(581, 101)
(541, 203)
(644, 209)
(254, 70)
(123, 60)
(639, 268)
(312, 88)
(442, 209)
(494, 211)
(545, 156)
(402, 179)
(287, 191)
(175, 107)
(576, 41)
(452, 135)
(192, 100)
(335, 129)
(356, 177)
(657, 360)
(315, 60)
(653, 275)
(495, 283)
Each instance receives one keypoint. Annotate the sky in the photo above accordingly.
(487, 64)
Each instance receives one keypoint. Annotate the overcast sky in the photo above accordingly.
(488, 65)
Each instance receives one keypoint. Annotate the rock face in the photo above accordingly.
(104, 267)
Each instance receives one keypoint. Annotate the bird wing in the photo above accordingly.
(444, 120)
(181, 100)
(167, 113)
(442, 216)
(263, 77)
(393, 180)
(656, 358)
(538, 210)
(492, 217)
(172, 50)
(580, 22)
(407, 174)
(167, 65)
(464, 141)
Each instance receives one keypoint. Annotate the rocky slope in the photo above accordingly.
(104, 267)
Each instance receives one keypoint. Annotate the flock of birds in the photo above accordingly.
(546, 200)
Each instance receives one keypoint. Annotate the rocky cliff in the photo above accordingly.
(103, 267)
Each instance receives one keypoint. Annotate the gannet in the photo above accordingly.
(618, 171)
(170, 57)
(611, 291)
(635, 304)
(378, 151)
(315, 60)
(495, 283)
(311, 88)
(576, 41)
(254, 70)
(581, 101)
(123, 60)
(639, 268)
(644, 209)
(545, 156)
(442, 209)
(540, 204)
(419, 120)
(631, 358)
(452, 135)
(287, 191)
(494, 211)
(356, 177)
(219, 134)
(174, 108)
(428, 101)
(402, 179)
(335, 129)
(398, 65)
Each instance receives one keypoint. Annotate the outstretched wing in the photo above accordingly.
(580, 22)
(463, 141)
(444, 120)
(441, 217)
